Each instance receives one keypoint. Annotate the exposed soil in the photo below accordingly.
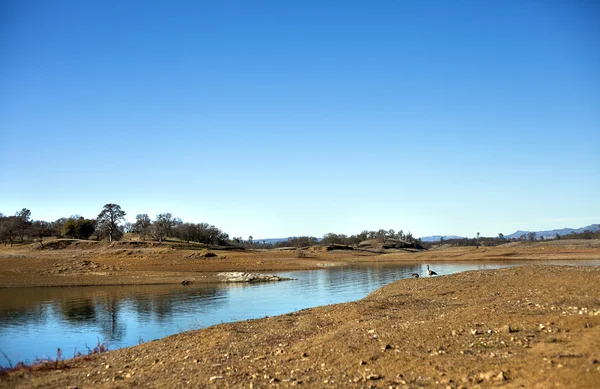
(73, 262)
(531, 327)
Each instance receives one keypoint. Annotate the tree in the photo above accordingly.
(391, 233)
(142, 225)
(186, 231)
(9, 227)
(41, 229)
(23, 222)
(79, 228)
(531, 236)
(401, 235)
(108, 221)
(501, 236)
(161, 228)
(57, 226)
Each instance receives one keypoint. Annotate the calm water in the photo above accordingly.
(34, 322)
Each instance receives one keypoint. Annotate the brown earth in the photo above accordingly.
(531, 327)
(72, 262)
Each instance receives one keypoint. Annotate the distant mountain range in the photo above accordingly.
(517, 234)
(552, 233)
(271, 240)
(437, 238)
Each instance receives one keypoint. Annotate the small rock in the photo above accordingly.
(373, 377)
(509, 329)
(486, 376)
(216, 377)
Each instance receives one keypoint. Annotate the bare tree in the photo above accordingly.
(142, 225)
(162, 226)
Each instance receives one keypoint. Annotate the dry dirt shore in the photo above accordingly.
(523, 327)
(69, 263)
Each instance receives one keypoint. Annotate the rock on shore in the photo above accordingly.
(238, 276)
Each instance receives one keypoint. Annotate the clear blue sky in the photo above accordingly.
(286, 118)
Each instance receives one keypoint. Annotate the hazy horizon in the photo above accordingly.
(277, 119)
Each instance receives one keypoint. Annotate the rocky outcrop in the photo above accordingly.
(238, 276)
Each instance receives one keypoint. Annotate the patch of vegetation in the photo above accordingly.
(51, 364)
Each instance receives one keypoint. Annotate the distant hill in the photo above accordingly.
(437, 238)
(517, 234)
(270, 240)
(552, 233)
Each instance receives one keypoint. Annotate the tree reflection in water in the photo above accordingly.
(35, 321)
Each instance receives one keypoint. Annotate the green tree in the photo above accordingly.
(109, 220)
(23, 222)
(79, 228)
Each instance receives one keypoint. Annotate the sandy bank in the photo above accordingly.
(533, 326)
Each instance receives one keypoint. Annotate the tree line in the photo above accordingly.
(109, 225)
(351, 240)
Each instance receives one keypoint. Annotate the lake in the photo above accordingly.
(34, 322)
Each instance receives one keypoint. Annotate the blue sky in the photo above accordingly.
(280, 118)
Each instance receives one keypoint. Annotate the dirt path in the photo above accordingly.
(533, 327)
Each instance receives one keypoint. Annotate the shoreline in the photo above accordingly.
(127, 264)
(527, 325)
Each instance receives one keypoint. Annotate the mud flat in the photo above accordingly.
(533, 326)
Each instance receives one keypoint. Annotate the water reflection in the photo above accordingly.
(36, 321)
